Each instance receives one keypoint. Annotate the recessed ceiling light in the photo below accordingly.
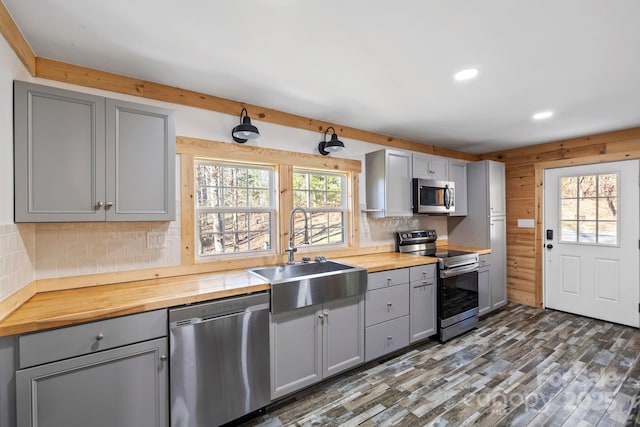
(542, 115)
(466, 74)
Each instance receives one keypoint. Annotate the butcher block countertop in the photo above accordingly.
(67, 307)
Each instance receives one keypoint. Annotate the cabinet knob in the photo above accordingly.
(100, 337)
(163, 357)
(389, 337)
(108, 205)
(389, 305)
(320, 316)
(388, 279)
(99, 204)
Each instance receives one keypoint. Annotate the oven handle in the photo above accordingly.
(444, 274)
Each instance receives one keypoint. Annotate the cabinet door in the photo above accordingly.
(497, 198)
(343, 330)
(421, 166)
(296, 349)
(439, 168)
(59, 154)
(140, 162)
(458, 174)
(126, 386)
(498, 261)
(398, 184)
(423, 309)
(484, 291)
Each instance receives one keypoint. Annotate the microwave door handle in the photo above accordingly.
(447, 197)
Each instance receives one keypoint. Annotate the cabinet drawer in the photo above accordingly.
(422, 272)
(386, 337)
(57, 344)
(383, 279)
(386, 304)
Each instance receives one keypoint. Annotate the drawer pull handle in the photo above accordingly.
(100, 337)
(163, 358)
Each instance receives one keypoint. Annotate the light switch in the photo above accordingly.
(526, 223)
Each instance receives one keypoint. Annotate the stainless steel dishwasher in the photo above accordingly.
(219, 366)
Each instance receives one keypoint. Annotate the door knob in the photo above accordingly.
(549, 246)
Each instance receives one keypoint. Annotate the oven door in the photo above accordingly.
(457, 295)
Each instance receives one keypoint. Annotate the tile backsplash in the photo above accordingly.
(17, 255)
(380, 231)
(70, 249)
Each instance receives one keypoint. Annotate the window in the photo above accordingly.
(234, 208)
(589, 209)
(323, 194)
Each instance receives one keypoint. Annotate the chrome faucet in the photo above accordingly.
(292, 249)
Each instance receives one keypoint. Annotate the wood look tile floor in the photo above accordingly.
(521, 367)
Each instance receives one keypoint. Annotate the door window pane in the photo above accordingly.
(589, 209)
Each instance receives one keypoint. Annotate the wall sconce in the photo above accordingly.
(245, 130)
(325, 147)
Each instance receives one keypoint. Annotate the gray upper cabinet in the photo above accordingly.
(458, 174)
(80, 157)
(141, 146)
(430, 167)
(388, 178)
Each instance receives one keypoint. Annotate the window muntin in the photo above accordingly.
(589, 209)
(323, 195)
(234, 207)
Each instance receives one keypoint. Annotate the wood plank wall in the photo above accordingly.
(524, 172)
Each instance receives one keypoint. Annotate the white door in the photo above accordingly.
(591, 260)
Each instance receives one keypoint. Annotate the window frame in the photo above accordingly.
(272, 210)
(283, 161)
(597, 220)
(344, 209)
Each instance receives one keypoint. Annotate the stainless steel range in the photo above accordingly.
(457, 281)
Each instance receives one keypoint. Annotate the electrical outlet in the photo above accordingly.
(156, 240)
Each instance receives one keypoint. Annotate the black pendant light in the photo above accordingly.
(334, 144)
(245, 130)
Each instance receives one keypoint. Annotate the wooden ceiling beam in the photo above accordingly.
(16, 40)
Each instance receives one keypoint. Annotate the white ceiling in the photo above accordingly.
(382, 66)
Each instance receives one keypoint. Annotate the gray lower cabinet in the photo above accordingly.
(387, 312)
(315, 342)
(423, 302)
(81, 157)
(484, 286)
(109, 380)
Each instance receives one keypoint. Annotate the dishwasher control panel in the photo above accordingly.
(210, 310)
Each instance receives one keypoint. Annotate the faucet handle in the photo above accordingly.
(321, 258)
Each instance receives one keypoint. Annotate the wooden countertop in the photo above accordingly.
(62, 308)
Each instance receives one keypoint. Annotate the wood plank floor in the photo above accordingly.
(521, 367)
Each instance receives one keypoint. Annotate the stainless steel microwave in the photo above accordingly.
(433, 197)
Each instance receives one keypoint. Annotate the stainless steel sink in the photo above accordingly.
(300, 285)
